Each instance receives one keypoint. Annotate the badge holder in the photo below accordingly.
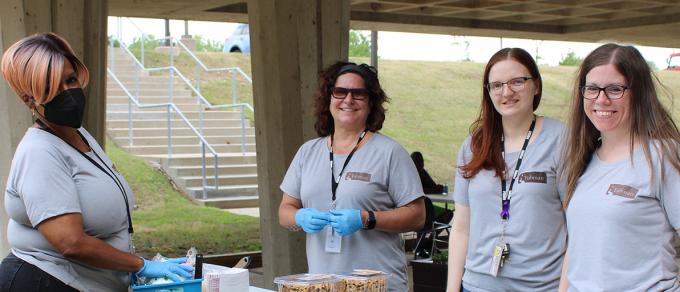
(501, 252)
(333, 241)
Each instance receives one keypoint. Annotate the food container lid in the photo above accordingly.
(364, 274)
(306, 279)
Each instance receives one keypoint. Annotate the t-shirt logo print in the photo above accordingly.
(622, 191)
(537, 177)
(362, 176)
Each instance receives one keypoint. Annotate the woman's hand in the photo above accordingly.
(346, 221)
(312, 220)
(171, 269)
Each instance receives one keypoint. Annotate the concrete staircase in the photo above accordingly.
(237, 171)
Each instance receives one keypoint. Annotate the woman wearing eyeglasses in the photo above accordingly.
(622, 177)
(352, 190)
(508, 229)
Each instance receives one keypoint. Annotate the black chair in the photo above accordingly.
(427, 237)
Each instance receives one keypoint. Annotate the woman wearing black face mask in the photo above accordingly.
(70, 227)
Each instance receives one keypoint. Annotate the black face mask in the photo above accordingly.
(67, 108)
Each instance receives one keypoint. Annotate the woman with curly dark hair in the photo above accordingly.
(352, 190)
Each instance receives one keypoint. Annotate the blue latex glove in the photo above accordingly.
(170, 269)
(346, 221)
(311, 220)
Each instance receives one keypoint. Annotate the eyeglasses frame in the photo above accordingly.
(603, 89)
(525, 78)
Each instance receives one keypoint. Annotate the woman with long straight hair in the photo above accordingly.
(508, 229)
(622, 178)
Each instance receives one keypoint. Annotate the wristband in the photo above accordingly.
(370, 222)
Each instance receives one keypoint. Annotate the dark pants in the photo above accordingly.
(18, 275)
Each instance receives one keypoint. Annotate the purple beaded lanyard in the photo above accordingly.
(507, 194)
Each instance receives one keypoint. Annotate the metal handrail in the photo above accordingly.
(169, 106)
(199, 63)
(201, 99)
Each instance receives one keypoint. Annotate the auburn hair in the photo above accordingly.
(486, 131)
(33, 66)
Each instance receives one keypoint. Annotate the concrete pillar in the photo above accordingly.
(83, 24)
(374, 48)
(291, 42)
(14, 116)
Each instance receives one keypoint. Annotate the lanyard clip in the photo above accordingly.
(505, 213)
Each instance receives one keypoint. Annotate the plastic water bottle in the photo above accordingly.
(445, 191)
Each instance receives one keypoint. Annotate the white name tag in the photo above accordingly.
(333, 240)
(497, 257)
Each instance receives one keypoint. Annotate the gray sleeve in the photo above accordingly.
(404, 183)
(460, 188)
(293, 180)
(45, 184)
(560, 180)
(670, 195)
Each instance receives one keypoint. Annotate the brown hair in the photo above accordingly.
(649, 123)
(34, 65)
(486, 131)
(324, 124)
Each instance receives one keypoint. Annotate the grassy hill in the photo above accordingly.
(432, 103)
(432, 106)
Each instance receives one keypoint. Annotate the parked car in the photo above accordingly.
(239, 41)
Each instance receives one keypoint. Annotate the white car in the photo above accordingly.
(239, 41)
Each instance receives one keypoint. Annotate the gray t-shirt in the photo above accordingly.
(535, 232)
(621, 226)
(49, 178)
(380, 176)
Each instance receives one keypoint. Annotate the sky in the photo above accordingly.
(391, 45)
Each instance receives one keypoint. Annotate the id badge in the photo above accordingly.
(333, 241)
(497, 257)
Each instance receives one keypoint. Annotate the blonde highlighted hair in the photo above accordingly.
(33, 67)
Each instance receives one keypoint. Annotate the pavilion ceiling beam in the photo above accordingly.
(453, 22)
(624, 23)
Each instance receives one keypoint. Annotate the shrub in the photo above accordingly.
(571, 59)
(359, 45)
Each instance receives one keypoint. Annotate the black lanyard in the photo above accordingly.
(335, 182)
(111, 175)
(507, 195)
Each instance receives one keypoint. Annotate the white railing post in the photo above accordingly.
(233, 87)
(130, 134)
(198, 78)
(243, 130)
(217, 182)
(138, 74)
(203, 172)
(143, 40)
(172, 72)
(112, 54)
(119, 27)
(169, 122)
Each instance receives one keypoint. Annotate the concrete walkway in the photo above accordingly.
(253, 212)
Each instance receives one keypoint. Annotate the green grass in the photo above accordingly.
(166, 222)
(432, 103)
(432, 106)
